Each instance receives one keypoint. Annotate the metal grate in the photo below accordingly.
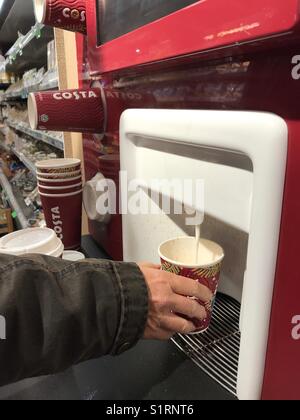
(216, 351)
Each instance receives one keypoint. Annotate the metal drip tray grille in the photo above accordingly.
(216, 351)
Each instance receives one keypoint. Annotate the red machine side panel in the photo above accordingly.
(203, 26)
(282, 375)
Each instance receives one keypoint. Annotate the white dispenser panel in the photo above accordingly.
(241, 156)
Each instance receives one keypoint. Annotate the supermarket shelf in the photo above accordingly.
(38, 135)
(47, 86)
(29, 165)
(14, 96)
(21, 156)
(17, 49)
(12, 200)
(24, 93)
(5, 147)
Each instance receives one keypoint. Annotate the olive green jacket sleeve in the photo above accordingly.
(54, 313)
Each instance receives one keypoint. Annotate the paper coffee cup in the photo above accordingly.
(178, 256)
(69, 110)
(63, 214)
(58, 166)
(69, 15)
(32, 241)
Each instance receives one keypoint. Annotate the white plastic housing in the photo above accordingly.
(168, 144)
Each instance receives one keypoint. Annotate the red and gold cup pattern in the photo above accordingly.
(208, 277)
(69, 110)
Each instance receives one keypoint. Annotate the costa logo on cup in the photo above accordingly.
(69, 110)
(77, 95)
(44, 118)
(74, 14)
(63, 214)
(65, 14)
(57, 223)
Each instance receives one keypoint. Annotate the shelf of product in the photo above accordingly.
(28, 150)
(12, 201)
(4, 130)
(4, 147)
(27, 162)
(17, 112)
(20, 192)
(17, 118)
(34, 80)
(54, 139)
(40, 78)
(6, 79)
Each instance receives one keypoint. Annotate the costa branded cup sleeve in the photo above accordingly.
(58, 166)
(32, 241)
(178, 256)
(65, 14)
(63, 214)
(76, 110)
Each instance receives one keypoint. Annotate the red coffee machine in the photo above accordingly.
(210, 89)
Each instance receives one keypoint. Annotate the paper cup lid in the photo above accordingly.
(58, 252)
(57, 163)
(31, 241)
(73, 256)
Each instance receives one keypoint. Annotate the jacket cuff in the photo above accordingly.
(134, 306)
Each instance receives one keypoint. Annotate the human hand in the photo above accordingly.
(169, 303)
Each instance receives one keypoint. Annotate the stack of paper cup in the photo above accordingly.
(32, 241)
(60, 188)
